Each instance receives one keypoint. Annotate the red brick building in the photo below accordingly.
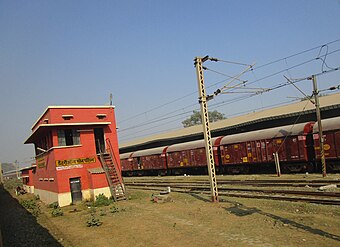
(67, 141)
(27, 178)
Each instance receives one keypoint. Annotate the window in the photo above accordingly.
(44, 143)
(68, 137)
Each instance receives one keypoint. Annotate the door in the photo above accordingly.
(99, 140)
(75, 185)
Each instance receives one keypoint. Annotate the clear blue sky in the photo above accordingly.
(78, 52)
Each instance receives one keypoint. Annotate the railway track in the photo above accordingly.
(201, 187)
(254, 183)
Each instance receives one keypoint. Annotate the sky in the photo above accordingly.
(70, 52)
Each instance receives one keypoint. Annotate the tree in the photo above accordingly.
(196, 118)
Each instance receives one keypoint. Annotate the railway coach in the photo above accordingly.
(331, 135)
(145, 162)
(253, 151)
(248, 152)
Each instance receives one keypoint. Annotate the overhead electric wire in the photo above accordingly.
(254, 68)
(150, 128)
(296, 120)
(268, 76)
(296, 54)
(156, 120)
(233, 100)
(158, 107)
(220, 73)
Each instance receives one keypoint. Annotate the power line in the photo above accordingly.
(220, 104)
(296, 54)
(255, 68)
(162, 118)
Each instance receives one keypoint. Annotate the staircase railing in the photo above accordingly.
(109, 150)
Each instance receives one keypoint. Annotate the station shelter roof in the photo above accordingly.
(329, 101)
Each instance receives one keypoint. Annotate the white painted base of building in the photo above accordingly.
(95, 192)
(65, 199)
(28, 189)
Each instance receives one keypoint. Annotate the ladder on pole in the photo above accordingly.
(113, 173)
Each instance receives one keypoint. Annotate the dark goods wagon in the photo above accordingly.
(126, 164)
(253, 151)
(190, 157)
(331, 137)
(149, 161)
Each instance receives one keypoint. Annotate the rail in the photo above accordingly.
(319, 197)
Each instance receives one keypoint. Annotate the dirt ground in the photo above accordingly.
(192, 220)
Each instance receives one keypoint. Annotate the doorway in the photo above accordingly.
(75, 185)
(99, 140)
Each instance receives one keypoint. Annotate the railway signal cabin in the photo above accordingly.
(76, 149)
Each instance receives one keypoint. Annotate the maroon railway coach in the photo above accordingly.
(146, 162)
(248, 151)
(190, 157)
(331, 134)
(126, 163)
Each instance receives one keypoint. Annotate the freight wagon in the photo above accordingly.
(331, 136)
(249, 152)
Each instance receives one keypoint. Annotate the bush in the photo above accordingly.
(36, 211)
(32, 206)
(29, 204)
(101, 200)
(57, 212)
(93, 221)
(114, 209)
(54, 205)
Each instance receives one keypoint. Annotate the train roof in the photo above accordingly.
(189, 145)
(283, 115)
(283, 131)
(125, 155)
(147, 152)
(328, 124)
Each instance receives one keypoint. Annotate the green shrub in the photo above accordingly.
(114, 209)
(32, 206)
(57, 212)
(36, 211)
(101, 200)
(54, 205)
(29, 204)
(93, 221)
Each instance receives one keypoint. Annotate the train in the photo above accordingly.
(297, 147)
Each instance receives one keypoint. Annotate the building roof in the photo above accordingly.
(26, 168)
(97, 170)
(70, 107)
(278, 112)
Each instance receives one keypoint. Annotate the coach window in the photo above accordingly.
(68, 137)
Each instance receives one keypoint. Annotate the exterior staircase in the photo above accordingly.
(113, 173)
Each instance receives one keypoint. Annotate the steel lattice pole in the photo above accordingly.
(206, 129)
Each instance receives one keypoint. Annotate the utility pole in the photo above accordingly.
(318, 116)
(17, 169)
(110, 98)
(206, 129)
